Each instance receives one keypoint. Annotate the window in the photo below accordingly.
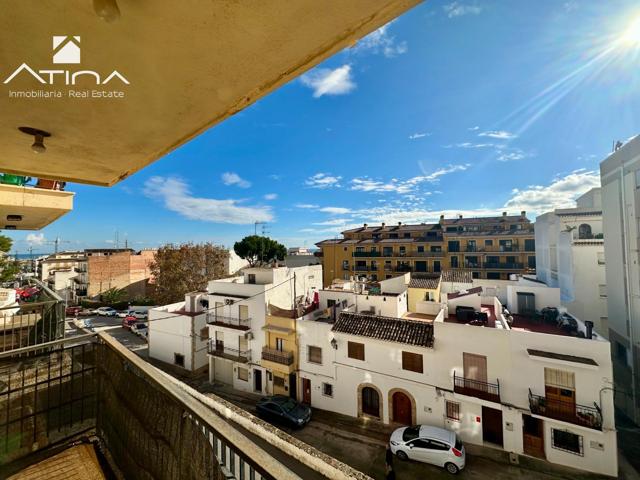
(252, 278)
(243, 374)
(412, 362)
(493, 275)
(314, 354)
(407, 235)
(345, 264)
(370, 402)
(584, 231)
(243, 312)
(359, 249)
(454, 262)
(327, 389)
(178, 359)
(436, 266)
(453, 410)
(355, 350)
(330, 303)
(488, 243)
(280, 344)
(531, 261)
(204, 333)
(420, 248)
(278, 381)
(602, 290)
(566, 441)
(530, 245)
(454, 246)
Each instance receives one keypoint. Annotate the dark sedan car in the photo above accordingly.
(283, 409)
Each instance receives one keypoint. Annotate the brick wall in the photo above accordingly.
(123, 270)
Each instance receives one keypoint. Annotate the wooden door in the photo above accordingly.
(306, 391)
(401, 409)
(533, 436)
(475, 367)
(492, 425)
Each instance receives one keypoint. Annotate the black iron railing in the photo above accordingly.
(243, 323)
(570, 412)
(477, 388)
(218, 349)
(507, 266)
(277, 356)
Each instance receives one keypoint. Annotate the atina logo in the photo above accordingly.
(66, 50)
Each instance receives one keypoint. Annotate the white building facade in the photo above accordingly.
(620, 180)
(570, 255)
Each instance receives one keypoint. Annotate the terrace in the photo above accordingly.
(230, 322)
(585, 416)
(63, 407)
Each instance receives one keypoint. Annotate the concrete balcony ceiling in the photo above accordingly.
(189, 64)
(37, 207)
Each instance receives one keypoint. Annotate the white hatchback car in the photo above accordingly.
(427, 444)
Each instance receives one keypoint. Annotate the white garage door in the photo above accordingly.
(223, 372)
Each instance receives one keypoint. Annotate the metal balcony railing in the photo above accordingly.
(361, 268)
(365, 254)
(234, 322)
(403, 268)
(277, 356)
(476, 388)
(590, 417)
(503, 266)
(217, 349)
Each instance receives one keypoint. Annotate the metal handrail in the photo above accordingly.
(219, 350)
(277, 356)
(477, 388)
(234, 321)
(575, 413)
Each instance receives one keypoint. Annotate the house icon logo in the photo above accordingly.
(66, 49)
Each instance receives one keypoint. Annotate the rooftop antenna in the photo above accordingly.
(255, 226)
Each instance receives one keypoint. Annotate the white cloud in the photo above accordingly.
(380, 41)
(499, 134)
(231, 178)
(271, 196)
(335, 221)
(306, 205)
(273, 176)
(35, 239)
(417, 135)
(473, 129)
(511, 155)
(175, 195)
(458, 9)
(323, 180)
(470, 145)
(366, 184)
(324, 81)
(560, 193)
(334, 210)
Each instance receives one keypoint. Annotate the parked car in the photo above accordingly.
(280, 408)
(123, 313)
(85, 312)
(128, 322)
(140, 328)
(72, 311)
(427, 444)
(141, 315)
(105, 312)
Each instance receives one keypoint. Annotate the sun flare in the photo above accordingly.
(631, 36)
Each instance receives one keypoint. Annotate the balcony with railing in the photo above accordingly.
(583, 415)
(361, 268)
(477, 388)
(277, 356)
(503, 266)
(405, 254)
(73, 412)
(231, 322)
(218, 349)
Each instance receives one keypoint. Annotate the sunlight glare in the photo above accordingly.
(631, 36)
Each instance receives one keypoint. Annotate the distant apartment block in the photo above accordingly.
(620, 179)
(570, 256)
(488, 247)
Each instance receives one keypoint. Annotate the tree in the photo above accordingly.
(180, 269)
(113, 295)
(8, 268)
(259, 250)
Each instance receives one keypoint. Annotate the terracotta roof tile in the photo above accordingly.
(429, 281)
(390, 329)
(457, 276)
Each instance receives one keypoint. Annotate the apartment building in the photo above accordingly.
(489, 247)
(65, 273)
(620, 180)
(515, 383)
(570, 255)
(252, 342)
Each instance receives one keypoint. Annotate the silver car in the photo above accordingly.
(427, 444)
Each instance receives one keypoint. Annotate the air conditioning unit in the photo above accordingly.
(248, 336)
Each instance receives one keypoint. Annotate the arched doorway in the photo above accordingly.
(370, 402)
(401, 408)
(584, 231)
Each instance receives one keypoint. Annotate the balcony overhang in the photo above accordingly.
(189, 65)
(36, 207)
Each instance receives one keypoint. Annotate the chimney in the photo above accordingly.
(365, 225)
(399, 223)
(589, 325)
(523, 213)
(504, 214)
(383, 224)
(460, 217)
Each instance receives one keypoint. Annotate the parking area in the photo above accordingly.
(112, 325)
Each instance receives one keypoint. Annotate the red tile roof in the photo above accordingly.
(390, 329)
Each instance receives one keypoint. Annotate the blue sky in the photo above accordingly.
(470, 107)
